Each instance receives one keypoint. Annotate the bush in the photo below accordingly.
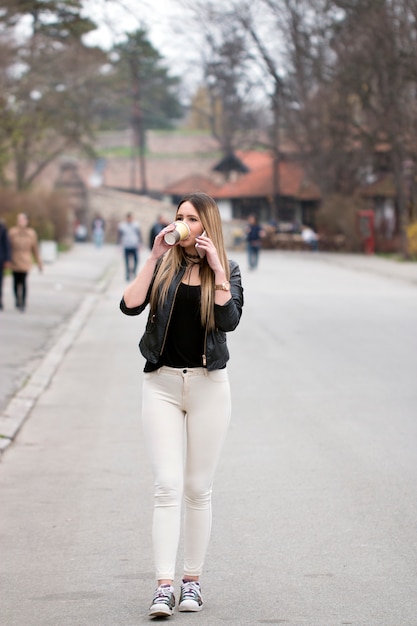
(48, 212)
(337, 216)
(412, 239)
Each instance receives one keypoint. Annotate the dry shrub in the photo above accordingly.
(48, 211)
(337, 216)
(412, 239)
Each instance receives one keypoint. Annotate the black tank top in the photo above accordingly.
(184, 345)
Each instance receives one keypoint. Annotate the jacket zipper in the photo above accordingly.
(204, 357)
(169, 318)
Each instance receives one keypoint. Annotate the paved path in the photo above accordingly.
(314, 502)
(59, 300)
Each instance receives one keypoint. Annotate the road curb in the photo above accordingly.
(378, 267)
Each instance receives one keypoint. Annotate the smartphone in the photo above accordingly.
(201, 253)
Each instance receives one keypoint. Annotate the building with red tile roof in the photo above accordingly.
(250, 188)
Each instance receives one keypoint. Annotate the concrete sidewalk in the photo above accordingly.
(34, 343)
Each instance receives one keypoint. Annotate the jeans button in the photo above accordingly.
(184, 371)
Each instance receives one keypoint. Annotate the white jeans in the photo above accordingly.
(186, 414)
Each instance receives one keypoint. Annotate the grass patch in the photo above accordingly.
(124, 152)
(185, 155)
(187, 132)
(396, 256)
(64, 247)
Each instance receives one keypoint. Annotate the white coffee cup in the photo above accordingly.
(180, 233)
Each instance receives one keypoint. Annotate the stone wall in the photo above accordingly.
(113, 205)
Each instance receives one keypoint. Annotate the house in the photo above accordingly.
(245, 182)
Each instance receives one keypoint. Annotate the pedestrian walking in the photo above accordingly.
(254, 235)
(130, 238)
(98, 227)
(24, 247)
(195, 298)
(4, 256)
(160, 223)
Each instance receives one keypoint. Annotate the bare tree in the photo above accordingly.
(48, 108)
(349, 82)
(48, 87)
(270, 62)
(377, 59)
(228, 76)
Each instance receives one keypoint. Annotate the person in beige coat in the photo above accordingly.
(24, 248)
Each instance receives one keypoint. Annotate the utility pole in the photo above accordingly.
(276, 148)
(137, 125)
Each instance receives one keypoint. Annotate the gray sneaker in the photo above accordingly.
(190, 599)
(163, 602)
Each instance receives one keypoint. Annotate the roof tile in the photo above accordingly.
(258, 182)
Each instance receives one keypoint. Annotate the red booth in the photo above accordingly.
(366, 230)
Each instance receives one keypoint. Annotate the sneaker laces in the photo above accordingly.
(163, 593)
(190, 589)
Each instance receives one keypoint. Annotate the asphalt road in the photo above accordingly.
(315, 498)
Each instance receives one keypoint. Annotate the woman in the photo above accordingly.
(194, 300)
(24, 247)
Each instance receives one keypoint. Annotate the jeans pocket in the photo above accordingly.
(218, 376)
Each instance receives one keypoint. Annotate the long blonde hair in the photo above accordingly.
(209, 214)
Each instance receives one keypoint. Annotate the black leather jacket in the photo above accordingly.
(227, 317)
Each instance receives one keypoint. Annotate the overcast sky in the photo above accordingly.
(117, 16)
(164, 20)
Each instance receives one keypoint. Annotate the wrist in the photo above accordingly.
(220, 276)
